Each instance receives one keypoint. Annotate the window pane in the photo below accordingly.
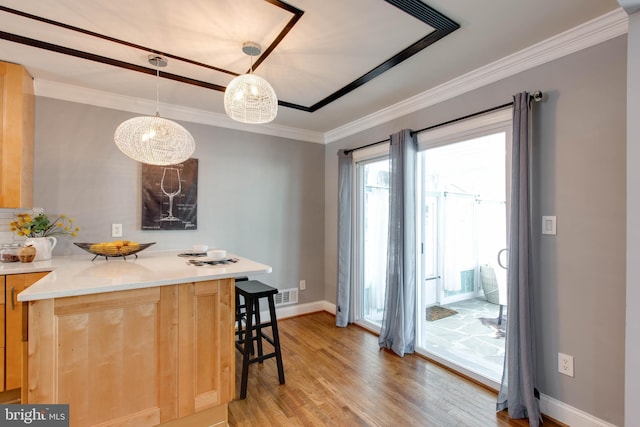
(464, 228)
(375, 214)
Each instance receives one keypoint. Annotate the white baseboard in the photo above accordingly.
(568, 414)
(286, 311)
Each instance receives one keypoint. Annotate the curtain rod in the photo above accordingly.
(536, 96)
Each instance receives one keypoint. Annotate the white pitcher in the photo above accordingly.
(43, 245)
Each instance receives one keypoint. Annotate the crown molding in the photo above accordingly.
(82, 95)
(598, 30)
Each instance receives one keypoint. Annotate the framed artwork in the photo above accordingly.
(170, 196)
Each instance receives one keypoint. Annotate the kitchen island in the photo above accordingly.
(139, 342)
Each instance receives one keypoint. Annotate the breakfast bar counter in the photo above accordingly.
(78, 275)
(140, 342)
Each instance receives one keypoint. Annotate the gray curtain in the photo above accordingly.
(398, 323)
(345, 185)
(517, 392)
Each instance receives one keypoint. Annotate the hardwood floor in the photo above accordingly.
(339, 377)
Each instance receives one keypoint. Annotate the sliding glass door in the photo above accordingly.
(462, 216)
(462, 209)
(372, 213)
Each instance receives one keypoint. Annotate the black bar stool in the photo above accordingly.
(241, 312)
(249, 313)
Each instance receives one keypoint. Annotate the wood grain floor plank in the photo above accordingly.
(340, 377)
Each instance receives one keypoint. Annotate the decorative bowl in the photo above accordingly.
(200, 248)
(119, 248)
(216, 254)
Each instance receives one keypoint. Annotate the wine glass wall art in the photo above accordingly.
(170, 196)
(171, 187)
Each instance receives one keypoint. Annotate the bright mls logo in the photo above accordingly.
(34, 415)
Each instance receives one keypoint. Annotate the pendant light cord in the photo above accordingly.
(157, 88)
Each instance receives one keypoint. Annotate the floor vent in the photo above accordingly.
(286, 296)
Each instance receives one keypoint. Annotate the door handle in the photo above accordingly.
(500, 252)
(13, 293)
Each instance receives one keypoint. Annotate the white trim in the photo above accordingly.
(598, 30)
(66, 92)
(471, 128)
(549, 406)
(369, 153)
(457, 368)
(284, 312)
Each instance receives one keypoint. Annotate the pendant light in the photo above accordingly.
(249, 98)
(154, 140)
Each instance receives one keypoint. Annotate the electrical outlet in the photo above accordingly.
(303, 285)
(116, 230)
(565, 364)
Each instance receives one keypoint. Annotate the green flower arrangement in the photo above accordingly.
(41, 226)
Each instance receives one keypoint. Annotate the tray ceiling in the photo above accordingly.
(329, 62)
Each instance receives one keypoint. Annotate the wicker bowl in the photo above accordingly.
(114, 249)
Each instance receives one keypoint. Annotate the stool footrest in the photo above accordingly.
(262, 358)
(241, 343)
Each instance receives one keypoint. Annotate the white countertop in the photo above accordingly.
(78, 275)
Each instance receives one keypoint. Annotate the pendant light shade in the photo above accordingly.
(154, 140)
(249, 98)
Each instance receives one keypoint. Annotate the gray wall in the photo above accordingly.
(579, 143)
(258, 196)
(632, 369)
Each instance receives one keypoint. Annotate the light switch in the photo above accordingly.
(549, 225)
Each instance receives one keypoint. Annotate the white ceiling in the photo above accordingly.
(332, 44)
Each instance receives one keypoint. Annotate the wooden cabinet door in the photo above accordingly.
(14, 329)
(2, 324)
(206, 354)
(136, 358)
(110, 356)
(16, 138)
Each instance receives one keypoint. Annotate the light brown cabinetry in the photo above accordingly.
(17, 136)
(139, 357)
(13, 330)
(206, 348)
(2, 323)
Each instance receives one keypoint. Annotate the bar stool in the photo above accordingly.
(252, 291)
(241, 311)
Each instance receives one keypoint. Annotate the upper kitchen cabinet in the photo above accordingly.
(16, 140)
